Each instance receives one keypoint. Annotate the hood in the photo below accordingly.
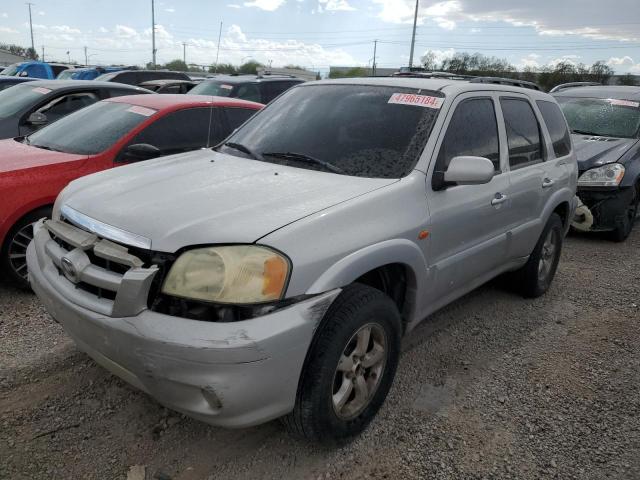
(205, 197)
(593, 151)
(16, 155)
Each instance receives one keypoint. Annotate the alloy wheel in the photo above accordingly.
(17, 250)
(359, 371)
(547, 255)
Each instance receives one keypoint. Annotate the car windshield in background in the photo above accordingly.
(218, 89)
(600, 116)
(67, 74)
(91, 130)
(357, 130)
(11, 70)
(20, 96)
(105, 77)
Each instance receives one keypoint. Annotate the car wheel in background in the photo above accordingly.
(13, 256)
(349, 368)
(624, 227)
(535, 277)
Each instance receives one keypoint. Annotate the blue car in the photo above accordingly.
(34, 69)
(6, 82)
(88, 73)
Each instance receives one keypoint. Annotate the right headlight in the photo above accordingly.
(239, 274)
(609, 175)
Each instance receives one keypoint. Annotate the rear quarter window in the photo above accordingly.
(557, 126)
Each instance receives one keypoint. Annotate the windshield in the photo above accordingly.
(357, 130)
(13, 100)
(216, 88)
(11, 70)
(602, 116)
(91, 130)
(105, 77)
(66, 74)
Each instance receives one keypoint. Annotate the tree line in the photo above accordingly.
(20, 51)
(547, 76)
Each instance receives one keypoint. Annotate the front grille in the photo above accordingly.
(117, 278)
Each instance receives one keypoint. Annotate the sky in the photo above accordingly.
(317, 34)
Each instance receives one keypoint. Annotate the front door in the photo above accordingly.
(468, 222)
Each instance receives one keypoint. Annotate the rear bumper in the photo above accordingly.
(605, 207)
(230, 374)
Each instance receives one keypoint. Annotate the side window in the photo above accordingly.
(236, 117)
(523, 133)
(249, 91)
(557, 126)
(57, 69)
(170, 89)
(128, 77)
(273, 89)
(473, 131)
(177, 132)
(67, 104)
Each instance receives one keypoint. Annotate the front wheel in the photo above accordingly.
(535, 277)
(349, 368)
(625, 225)
(13, 257)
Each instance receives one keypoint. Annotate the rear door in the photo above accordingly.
(529, 189)
(468, 222)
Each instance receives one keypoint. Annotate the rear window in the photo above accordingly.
(361, 130)
(215, 88)
(557, 126)
(15, 99)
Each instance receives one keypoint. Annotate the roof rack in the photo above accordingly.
(506, 81)
(449, 75)
(269, 74)
(563, 86)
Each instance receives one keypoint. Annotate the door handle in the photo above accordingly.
(498, 199)
(547, 182)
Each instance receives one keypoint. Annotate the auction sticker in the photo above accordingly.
(147, 112)
(623, 103)
(41, 90)
(416, 100)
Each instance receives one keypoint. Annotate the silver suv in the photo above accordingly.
(275, 274)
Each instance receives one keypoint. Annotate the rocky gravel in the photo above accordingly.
(493, 386)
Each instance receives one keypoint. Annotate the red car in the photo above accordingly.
(121, 130)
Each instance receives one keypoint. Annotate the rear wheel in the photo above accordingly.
(624, 227)
(13, 258)
(350, 366)
(535, 277)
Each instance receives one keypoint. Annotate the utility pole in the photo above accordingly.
(86, 59)
(43, 53)
(184, 52)
(373, 65)
(413, 36)
(33, 49)
(215, 70)
(153, 33)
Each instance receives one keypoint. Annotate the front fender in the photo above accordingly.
(349, 268)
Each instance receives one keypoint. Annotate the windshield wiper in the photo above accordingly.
(584, 132)
(305, 158)
(45, 147)
(244, 149)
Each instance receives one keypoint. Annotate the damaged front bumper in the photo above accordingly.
(233, 374)
(601, 210)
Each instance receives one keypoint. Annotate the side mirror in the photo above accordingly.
(37, 119)
(139, 152)
(467, 170)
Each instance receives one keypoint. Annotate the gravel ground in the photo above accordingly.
(492, 386)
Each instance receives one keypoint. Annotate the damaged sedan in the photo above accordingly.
(605, 125)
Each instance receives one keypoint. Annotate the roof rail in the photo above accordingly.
(563, 86)
(449, 75)
(269, 74)
(506, 81)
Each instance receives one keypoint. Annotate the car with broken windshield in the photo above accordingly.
(605, 126)
(275, 274)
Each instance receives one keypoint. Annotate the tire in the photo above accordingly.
(13, 261)
(623, 229)
(535, 277)
(326, 381)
